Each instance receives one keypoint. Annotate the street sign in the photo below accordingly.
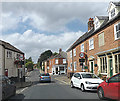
(82, 60)
(21, 57)
(82, 55)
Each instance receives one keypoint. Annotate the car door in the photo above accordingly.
(74, 79)
(78, 80)
(114, 87)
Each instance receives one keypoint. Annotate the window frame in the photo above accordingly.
(82, 47)
(74, 50)
(56, 61)
(115, 32)
(91, 44)
(75, 66)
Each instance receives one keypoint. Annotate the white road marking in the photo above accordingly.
(20, 91)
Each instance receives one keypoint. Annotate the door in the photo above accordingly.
(56, 70)
(114, 87)
(111, 67)
(91, 66)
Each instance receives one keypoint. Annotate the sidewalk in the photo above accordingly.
(23, 84)
(62, 78)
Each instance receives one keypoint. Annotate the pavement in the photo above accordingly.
(28, 83)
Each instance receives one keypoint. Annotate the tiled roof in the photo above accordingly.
(10, 47)
(102, 17)
(116, 3)
(92, 32)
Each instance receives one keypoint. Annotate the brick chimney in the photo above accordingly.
(60, 50)
(90, 24)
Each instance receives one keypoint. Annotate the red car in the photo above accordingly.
(110, 88)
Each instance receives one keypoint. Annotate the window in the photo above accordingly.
(96, 24)
(117, 63)
(71, 66)
(101, 39)
(77, 75)
(103, 64)
(64, 60)
(115, 79)
(112, 13)
(75, 66)
(9, 54)
(117, 31)
(82, 48)
(74, 52)
(50, 62)
(91, 44)
(56, 61)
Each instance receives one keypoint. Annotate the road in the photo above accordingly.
(54, 90)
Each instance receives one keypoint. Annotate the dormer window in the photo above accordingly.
(112, 13)
(97, 24)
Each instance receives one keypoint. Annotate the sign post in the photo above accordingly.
(81, 60)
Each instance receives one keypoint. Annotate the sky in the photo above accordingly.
(34, 27)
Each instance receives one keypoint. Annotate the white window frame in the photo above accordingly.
(56, 61)
(75, 66)
(103, 39)
(103, 66)
(64, 61)
(74, 50)
(91, 43)
(112, 13)
(82, 47)
(115, 32)
(9, 54)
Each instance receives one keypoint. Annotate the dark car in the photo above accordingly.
(8, 87)
(45, 77)
(110, 88)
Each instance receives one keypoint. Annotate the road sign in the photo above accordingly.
(82, 60)
(21, 57)
(82, 55)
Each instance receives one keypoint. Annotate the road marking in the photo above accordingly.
(62, 81)
(20, 91)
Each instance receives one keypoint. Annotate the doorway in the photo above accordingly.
(111, 65)
(91, 66)
(56, 70)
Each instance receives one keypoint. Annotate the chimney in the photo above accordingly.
(90, 24)
(60, 50)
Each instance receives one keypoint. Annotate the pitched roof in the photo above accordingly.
(92, 32)
(102, 17)
(10, 47)
(116, 3)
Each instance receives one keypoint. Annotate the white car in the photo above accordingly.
(85, 81)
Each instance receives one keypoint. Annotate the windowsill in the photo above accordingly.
(117, 39)
(103, 73)
(91, 49)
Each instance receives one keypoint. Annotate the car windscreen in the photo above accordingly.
(89, 76)
(47, 74)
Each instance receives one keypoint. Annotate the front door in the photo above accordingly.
(91, 66)
(111, 67)
(56, 70)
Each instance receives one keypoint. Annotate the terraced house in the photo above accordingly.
(11, 61)
(99, 48)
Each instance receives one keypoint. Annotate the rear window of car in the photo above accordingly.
(46, 74)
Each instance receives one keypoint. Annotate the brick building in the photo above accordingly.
(100, 45)
(57, 64)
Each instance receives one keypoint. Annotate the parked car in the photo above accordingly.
(8, 87)
(45, 77)
(110, 88)
(85, 81)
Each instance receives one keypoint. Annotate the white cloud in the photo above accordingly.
(32, 44)
(51, 17)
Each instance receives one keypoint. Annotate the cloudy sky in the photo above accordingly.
(34, 27)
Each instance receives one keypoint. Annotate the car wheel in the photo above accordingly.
(101, 93)
(72, 86)
(82, 88)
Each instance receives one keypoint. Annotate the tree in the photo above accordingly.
(29, 63)
(44, 56)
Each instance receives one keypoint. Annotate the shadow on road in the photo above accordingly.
(16, 97)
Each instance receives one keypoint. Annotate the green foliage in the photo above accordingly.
(55, 53)
(29, 63)
(44, 56)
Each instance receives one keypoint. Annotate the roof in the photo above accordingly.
(10, 47)
(62, 54)
(116, 3)
(90, 33)
(102, 17)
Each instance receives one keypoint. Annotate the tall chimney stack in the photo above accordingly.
(90, 24)
(60, 50)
